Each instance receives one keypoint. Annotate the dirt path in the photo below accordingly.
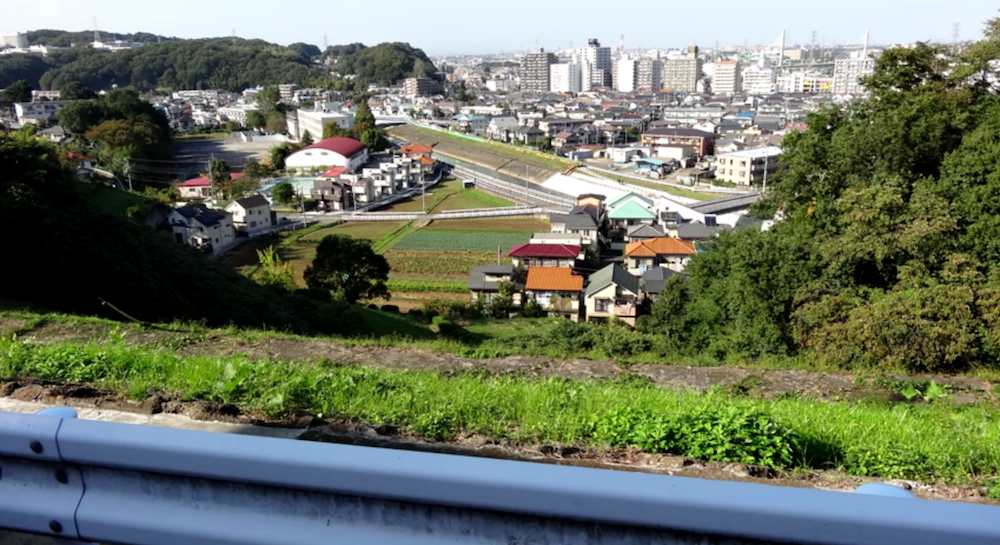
(738, 381)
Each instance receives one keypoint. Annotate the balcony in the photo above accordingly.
(625, 310)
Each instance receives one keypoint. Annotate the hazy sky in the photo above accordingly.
(464, 26)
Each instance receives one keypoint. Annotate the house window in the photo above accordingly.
(216, 241)
(601, 305)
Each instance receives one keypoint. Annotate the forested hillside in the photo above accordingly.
(63, 38)
(218, 63)
(384, 64)
(889, 251)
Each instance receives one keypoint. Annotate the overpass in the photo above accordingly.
(90, 481)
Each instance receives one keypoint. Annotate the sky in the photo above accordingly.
(452, 27)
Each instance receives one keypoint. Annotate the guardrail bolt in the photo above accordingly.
(36, 446)
(55, 526)
(61, 476)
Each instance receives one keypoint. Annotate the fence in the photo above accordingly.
(94, 481)
(514, 191)
(712, 189)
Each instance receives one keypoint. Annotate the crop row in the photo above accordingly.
(460, 242)
(407, 285)
(437, 263)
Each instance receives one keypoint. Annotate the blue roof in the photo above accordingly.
(749, 115)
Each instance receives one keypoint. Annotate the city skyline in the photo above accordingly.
(448, 28)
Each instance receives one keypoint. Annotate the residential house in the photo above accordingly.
(556, 289)
(653, 281)
(545, 255)
(200, 187)
(671, 253)
(422, 154)
(484, 282)
(252, 215)
(694, 230)
(502, 128)
(83, 164)
(592, 204)
(54, 133)
(474, 124)
(329, 194)
(202, 227)
(644, 231)
(529, 136)
(612, 293)
(579, 224)
(747, 167)
(631, 209)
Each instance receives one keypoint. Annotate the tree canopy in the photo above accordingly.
(75, 90)
(384, 64)
(19, 91)
(122, 124)
(348, 267)
(887, 251)
(22, 66)
(63, 38)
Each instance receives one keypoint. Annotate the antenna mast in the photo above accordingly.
(97, 34)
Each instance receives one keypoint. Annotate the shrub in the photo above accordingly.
(390, 308)
(373, 306)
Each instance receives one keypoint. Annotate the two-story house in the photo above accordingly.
(577, 224)
(200, 187)
(545, 255)
(202, 227)
(329, 194)
(667, 252)
(484, 282)
(252, 215)
(613, 293)
(653, 281)
(557, 290)
(702, 142)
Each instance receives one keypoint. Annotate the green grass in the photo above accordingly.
(458, 241)
(402, 285)
(937, 442)
(385, 324)
(371, 230)
(205, 136)
(676, 191)
(109, 200)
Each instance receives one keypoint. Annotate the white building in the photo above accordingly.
(760, 79)
(314, 120)
(565, 78)
(17, 39)
(252, 214)
(501, 85)
(237, 113)
(747, 167)
(596, 65)
(726, 78)
(846, 73)
(202, 227)
(628, 72)
(333, 152)
(37, 112)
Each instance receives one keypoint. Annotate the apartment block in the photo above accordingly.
(648, 75)
(727, 78)
(682, 75)
(747, 167)
(536, 72)
(565, 78)
(420, 87)
(847, 72)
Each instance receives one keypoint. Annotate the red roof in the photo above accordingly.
(202, 181)
(564, 251)
(334, 172)
(348, 147)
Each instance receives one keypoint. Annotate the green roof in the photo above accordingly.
(630, 196)
(631, 211)
(612, 274)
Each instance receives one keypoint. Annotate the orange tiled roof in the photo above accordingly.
(553, 279)
(660, 246)
(415, 149)
(425, 160)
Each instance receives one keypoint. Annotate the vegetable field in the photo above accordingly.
(436, 265)
(461, 241)
(528, 225)
(371, 230)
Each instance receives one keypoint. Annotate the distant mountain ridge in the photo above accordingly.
(169, 63)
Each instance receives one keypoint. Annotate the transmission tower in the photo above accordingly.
(954, 37)
(97, 34)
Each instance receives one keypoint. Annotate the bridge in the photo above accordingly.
(90, 481)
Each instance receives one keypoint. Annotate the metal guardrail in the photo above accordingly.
(713, 189)
(120, 483)
(507, 189)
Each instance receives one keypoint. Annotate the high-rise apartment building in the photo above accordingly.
(420, 87)
(628, 72)
(760, 79)
(16, 39)
(596, 65)
(649, 75)
(682, 75)
(565, 78)
(726, 80)
(847, 71)
(535, 71)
